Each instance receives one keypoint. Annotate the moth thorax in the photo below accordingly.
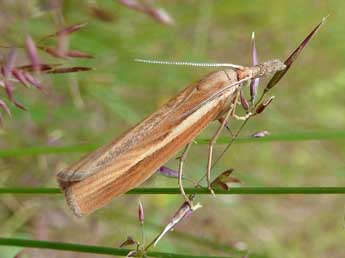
(268, 67)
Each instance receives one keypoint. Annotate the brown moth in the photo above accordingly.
(129, 160)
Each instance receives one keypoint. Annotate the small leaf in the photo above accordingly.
(221, 180)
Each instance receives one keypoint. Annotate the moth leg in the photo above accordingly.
(212, 143)
(182, 158)
(245, 117)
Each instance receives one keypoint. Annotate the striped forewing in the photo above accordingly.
(129, 160)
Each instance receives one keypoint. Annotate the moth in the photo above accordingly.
(129, 160)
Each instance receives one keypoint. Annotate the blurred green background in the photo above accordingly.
(96, 106)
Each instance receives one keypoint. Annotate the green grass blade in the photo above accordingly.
(86, 248)
(302, 136)
(235, 190)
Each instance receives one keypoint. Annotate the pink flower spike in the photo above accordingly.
(5, 107)
(18, 105)
(19, 75)
(32, 80)
(162, 16)
(141, 213)
(9, 90)
(78, 54)
(244, 102)
(53, 52)
(10, 61)
(133, 4)
(70, 29)
(32, 53)
(254, 83)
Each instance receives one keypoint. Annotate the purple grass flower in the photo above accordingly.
(254, 83)
(141, 215)
(244, 102)
(260, 134)
(167, 172)
(31, 51)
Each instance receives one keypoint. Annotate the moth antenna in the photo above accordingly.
(188, 63)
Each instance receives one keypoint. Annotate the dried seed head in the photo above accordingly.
(264, 105)
(183, 212)
(293, 56)
(128, 241)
